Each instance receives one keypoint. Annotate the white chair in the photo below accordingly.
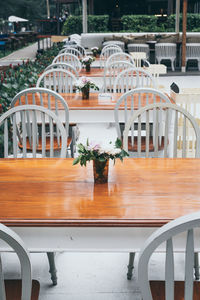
(54, 102)
(133, 78)
(119, 57)
(64, 66)
(25, 135)
(119, 43)
(58, 80)
(110, 73)
(108, 51)
(73, 51)
(193, 53)
(111, 45)
(24, 289)
(69, 59)
(166, 51)
(170, 289)
(75, 38)
(139, 48)
(164, 134)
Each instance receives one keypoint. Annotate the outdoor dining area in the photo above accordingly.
(138, 193)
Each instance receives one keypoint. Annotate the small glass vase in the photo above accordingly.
(100, 169)
(85, 93)
(87, 68)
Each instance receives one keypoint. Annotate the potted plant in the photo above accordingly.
(83, 85)
(95, 51)
(100, 156)
(87, 60)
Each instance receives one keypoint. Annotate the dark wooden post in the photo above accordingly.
(183, 63)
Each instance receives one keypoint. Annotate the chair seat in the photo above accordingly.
(13, 289)
(158, 290)
(134, 148)
(39, 146)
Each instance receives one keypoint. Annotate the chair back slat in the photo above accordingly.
(24, 135)
(189, 265)
(51, 137)
(14, 136)
(169, 271)
(6, 138)
(175, 134)
(2, 284)
(43, 135)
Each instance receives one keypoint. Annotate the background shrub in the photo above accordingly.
(73, 24)
(144, 23)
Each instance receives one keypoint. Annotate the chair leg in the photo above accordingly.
(52, 267)
(172, 65)
(196, 266)
(130, 265)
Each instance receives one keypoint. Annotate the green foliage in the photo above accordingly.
(144, 23)
(73, 24)
(139, 23)
(18, 78)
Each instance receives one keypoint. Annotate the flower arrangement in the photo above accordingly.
(95, 51)
(87, 60)
(85, 83)
(94, 151)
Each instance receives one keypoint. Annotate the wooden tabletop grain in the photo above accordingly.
(140, 192)
(75, 101)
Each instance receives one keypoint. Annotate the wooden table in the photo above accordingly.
(94, 110)
(55, 206)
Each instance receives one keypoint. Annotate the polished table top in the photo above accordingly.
(75, 101)
(140, 192)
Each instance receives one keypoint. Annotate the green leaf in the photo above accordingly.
(118, 143)
(76, 161)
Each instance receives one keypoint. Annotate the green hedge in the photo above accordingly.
(144, 23)
(73, 24)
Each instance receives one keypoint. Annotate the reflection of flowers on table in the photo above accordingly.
(83, 85)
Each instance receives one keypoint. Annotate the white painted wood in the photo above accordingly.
(178, 226)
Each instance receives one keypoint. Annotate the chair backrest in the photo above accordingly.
(17, 245)
(58, 80)
(69, 59)
(111, 45)
(165, 235)
(80, 48)
(133, 100)
(105, 53)
(161, 126)
(75, 38)
(193, 50)
(19, 126)
(111, 71)
(64, 66)
(133, 78)
(119, 57)
(73, 51)
(46, 98)
(165, 50)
